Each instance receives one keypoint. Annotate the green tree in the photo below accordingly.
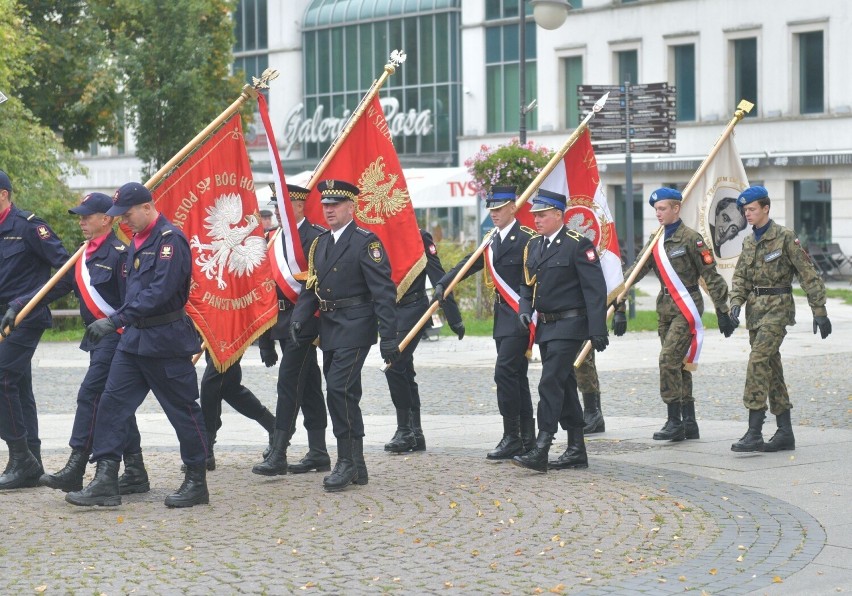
(74, 88)
(30, 153)
(175, 59)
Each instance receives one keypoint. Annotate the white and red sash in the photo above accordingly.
(90, 295)
(683, 300)
(509, 295)
(281, 271)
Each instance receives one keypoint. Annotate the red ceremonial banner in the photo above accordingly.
(210, 197)
(368, 159)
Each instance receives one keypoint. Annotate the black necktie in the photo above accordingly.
(545, 245)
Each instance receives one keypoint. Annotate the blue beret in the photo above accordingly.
(751, 194)
(546, 199)
(5, 183)
(132, 193)
(665, 194)
(94, 202)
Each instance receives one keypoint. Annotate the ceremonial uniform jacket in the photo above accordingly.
(29, 249)
(567, 278)
(158, 277)
(355, 268)
(691, 259)
(414, 303)
(308, 232)
(771, 262)
(508, 263)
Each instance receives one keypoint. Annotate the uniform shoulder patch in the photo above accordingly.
(166, 251)
(528, 230)
(591, 255)
(376, 251)
(43, 231)
(706, 257)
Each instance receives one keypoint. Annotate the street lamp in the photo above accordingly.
(548, 14)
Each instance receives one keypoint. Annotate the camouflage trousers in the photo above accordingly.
(765, 375)
(675, 381)
(587, 375)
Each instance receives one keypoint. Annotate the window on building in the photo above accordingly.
(745, 72)
(627, 63)
(811, 73)
(684, 80)
(572, 68)
(502, 76)
(250, 26)
(812, 211)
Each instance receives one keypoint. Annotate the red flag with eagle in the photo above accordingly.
(587, 212)
(210, 197)
(368, 159)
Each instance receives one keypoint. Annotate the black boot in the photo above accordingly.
(102, 490)
(403, 439)
(527, 433)
(267, 421)
(575, 454)
(783, 439)
(70, 477)
(134, 479)
(35, 449)
(592, 416)
(317, 457)
(417, 429)
(193, 491)
(23, 469)
(753, 439)
(690, 425)
(344, 470)
(275, 464)
(510, 445)
(673, 429)
(536, 458)
(360, 464)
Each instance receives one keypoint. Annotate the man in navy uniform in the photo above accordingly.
(28, 251)
(505, 266)
(154, 353)
(99, 282)
(349, 281)
(299, 378)
(564, 283)
(400, 375)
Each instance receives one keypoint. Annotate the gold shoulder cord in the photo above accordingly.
(530, 281)
(312, 274)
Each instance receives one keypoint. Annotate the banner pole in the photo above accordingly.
(743, 108)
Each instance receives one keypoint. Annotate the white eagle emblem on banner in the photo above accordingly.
(230, 245)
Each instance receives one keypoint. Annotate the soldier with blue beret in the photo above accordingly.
(154, 353)
(349, 282)
(29, 249)
(680, 260)
(564, 283)
(772, 255)
(503, 259)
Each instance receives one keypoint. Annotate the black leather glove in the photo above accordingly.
(438, 294)
(268, 355)
(735, 315)
(389, 348)
(619, 323)
(8, 320)
(295, 329)
(99, 329)
(599, 342)
(525, 319)
(726, 323)
(458, 329)
(824, 326)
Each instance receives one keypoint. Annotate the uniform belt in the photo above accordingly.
(550, 317)
(409, 298)
(772, 291)
(285, 305)
(688, 289)
(326, 305)
(170, 317)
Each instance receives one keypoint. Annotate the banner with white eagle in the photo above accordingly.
(210, 197)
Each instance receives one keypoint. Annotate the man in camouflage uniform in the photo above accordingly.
(691, 258)
(771, 256)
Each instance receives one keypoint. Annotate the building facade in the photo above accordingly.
(458, 90)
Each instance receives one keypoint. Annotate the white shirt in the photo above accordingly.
(336, 235)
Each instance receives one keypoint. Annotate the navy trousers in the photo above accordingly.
(342, 368)
(227, 386)
(404, 391)
(559, 402)
(300, 386)
(18, 413)
(510, 375)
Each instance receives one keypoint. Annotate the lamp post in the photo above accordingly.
(548, 14)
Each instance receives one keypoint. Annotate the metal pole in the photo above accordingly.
(522, 70)
(628, 192)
